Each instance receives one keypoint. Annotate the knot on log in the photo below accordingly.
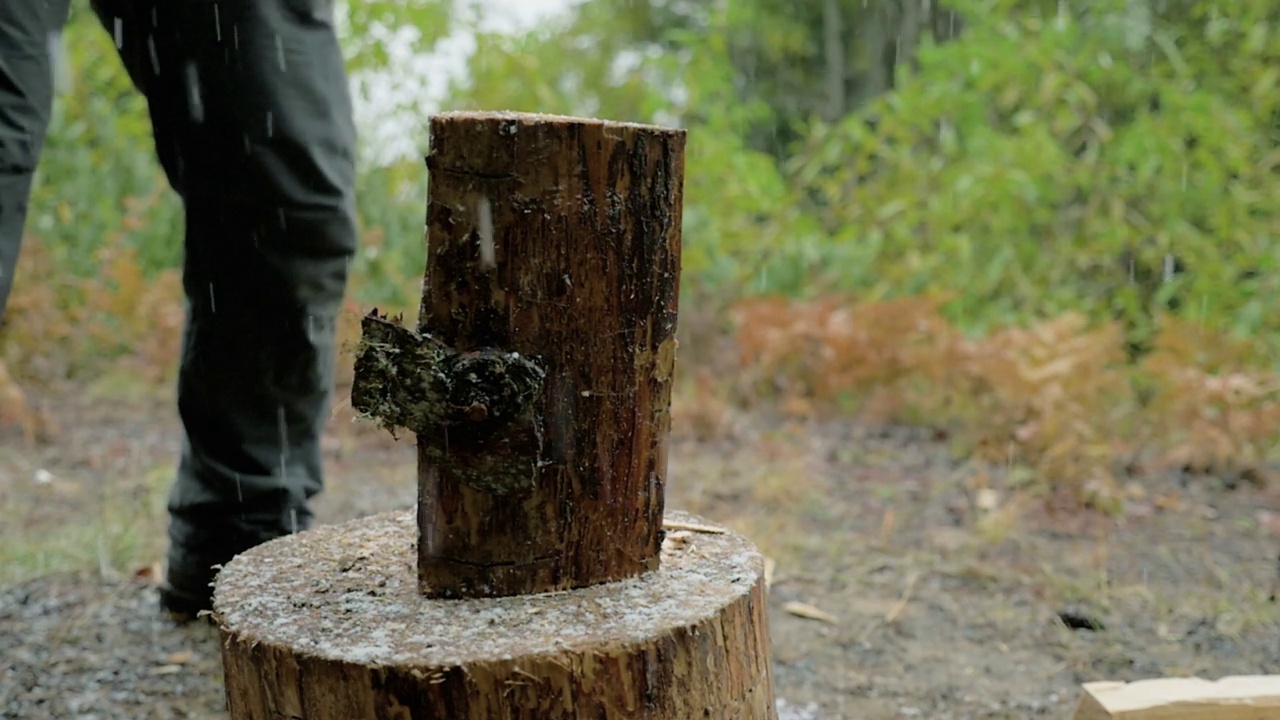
(415, 382)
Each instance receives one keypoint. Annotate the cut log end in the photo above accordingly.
(472, 117)
(330, 624)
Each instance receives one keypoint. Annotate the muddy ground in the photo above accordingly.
(947, 602)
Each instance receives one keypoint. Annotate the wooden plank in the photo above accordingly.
(1245, 697)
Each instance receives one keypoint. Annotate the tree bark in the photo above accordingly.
(329, 625)
(539, 378)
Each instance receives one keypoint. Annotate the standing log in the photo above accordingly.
(329, 625)
(539, 379)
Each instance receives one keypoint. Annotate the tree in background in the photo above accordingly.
(836, 145)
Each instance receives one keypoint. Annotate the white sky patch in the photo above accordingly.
(386, 135)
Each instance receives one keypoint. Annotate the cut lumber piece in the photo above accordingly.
(329, 625)
(538, 379)
(1246, 697)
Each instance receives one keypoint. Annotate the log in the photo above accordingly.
(538, 379)
(1246, 697)
(329, 625)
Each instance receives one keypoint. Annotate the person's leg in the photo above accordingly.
(253, 122)
(26, 98)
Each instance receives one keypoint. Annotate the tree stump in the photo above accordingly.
(329, 625)
(533, 582)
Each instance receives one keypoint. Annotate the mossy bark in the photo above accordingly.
(554, 247)
(409, 381)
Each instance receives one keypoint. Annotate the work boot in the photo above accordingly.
(187, 588)
(183, 606)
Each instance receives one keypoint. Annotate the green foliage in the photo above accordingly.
(1022, 162)
(371, 28)
(1040, 162)
(98, 178)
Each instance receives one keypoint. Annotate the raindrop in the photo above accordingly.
(284, 437)
(280, 214)
(270, 124)
(58, 62)
(293, 520)
(484, 228)
(155, 57)
(119, 33)
(1133, 270)
(280, 51)
(239, 489)
(194, 100)
(235, 37)
(217, 23)
(1168, 267)
(213, 306)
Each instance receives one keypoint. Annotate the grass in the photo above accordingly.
(113, 526)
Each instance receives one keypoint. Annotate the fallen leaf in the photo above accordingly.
(987, 499)
(809, 612)
(1270, 522)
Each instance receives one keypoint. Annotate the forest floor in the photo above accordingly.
(945, 602)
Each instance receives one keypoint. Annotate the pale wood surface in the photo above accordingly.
(1251, 697)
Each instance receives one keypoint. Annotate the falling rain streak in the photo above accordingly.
(194, 100)
(155, 57)
(280, 52)
(284, 455)
(119, 33)
(284, 435)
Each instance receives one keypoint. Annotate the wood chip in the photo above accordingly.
(769, 566)
(693, 527)
(182, 657)
(809, 612)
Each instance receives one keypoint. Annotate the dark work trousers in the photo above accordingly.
(253, 125)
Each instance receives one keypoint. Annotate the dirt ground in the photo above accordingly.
(947, 602)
